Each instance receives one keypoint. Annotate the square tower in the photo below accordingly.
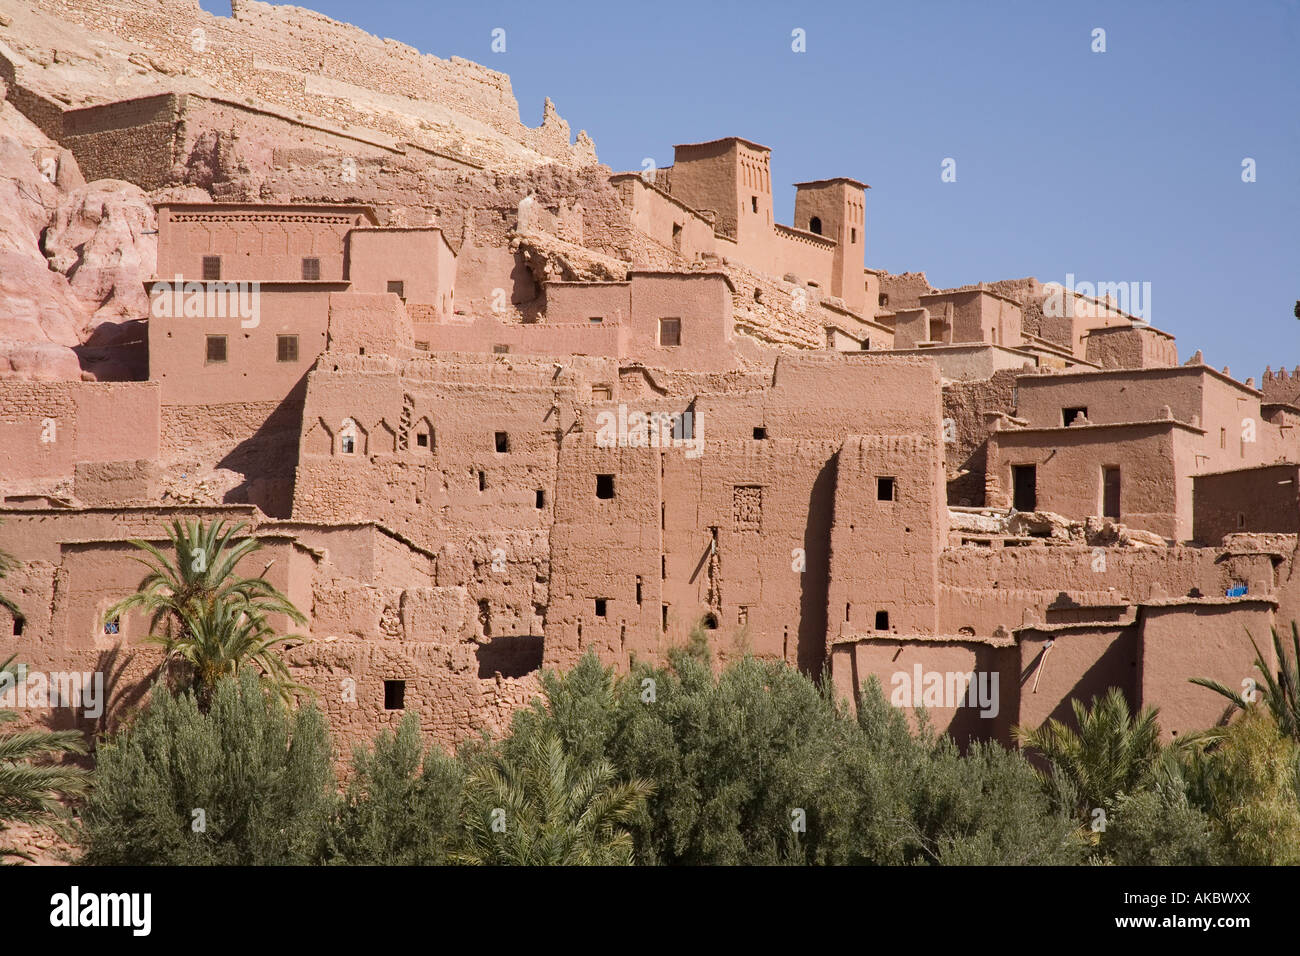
(836, 209)
(732, 177)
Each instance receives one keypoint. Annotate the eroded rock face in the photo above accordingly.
(72, 259)
(100, 239)
(40, 319)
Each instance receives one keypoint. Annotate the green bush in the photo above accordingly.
(245, 783)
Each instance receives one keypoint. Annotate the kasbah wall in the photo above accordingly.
(489, 405)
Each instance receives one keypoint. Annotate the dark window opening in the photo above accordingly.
(882, 620)
(884, 489)
(398, 288)
(1110, 493)
(216, 349)
(638, 590)
(665, 617)
(753, 203)
(514, 655)
(853, 234)
(711, 621)
(670, 332)
(815, 225)
(604, 486)
(482, 481)
(311, 269)
(883, 299)
(349, 444)
(286, 348)
(596, 320)
(602, 605)
(113, 626)
(211, 268)
(19, 622)
(1069, 414)
(422, 346)
(502, 440)
(501, 350)
(759, 433)
(394, 695)
(677, 237)
(422, 440)
(539, 499)
(1024, 484)
(866, 345)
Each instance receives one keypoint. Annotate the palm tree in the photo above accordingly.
(538, 810)
(208, 619)
(29, 790)
(7, 564)
(1281, 693)
(1111, 754)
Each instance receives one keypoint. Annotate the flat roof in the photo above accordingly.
(1172, 422)
(1199, 369)
(358, 208)
(1134, 324)
(725, 139)
(1234, 471)
(835, 179)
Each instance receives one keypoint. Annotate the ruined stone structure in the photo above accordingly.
(490, 405)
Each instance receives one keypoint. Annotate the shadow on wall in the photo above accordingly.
(514, 655)
(268, 459)
(116, 352)
(814, 583)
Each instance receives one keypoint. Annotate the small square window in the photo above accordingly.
(394, 695)
(422, 440)
(286, 348)
(311, 269)
(883, 299)
(601, 607)
(398, 288)
(1068, 415)
(604, 486)
(211, 268)
(602, 393)
(348, 444)
(502, 442)
(884, 489)
(670, 332)
(216, 353)
(882, 620)
(760, 433)
(112, 627)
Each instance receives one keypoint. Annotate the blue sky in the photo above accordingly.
(1122, 166)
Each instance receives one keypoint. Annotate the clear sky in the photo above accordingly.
(1122, 166)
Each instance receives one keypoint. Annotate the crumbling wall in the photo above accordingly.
(966, 406)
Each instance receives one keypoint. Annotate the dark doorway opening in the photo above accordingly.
(1024, 483)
